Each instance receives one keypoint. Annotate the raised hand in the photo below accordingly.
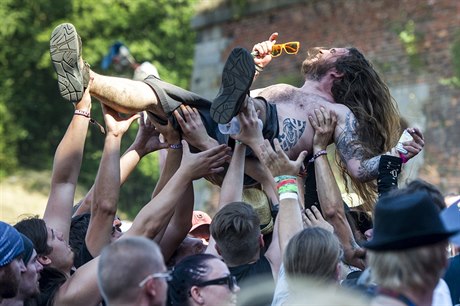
(250, 132)
(204, 163)
(193, 130)
(323, 123)
(313, 218)
(170, 135)
(116, 124)
(277, 161)
(264, 50)
(85, 103)
(147, 138)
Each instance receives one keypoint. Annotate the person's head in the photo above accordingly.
(432, 190)
(236, 230)
(408, 249)
(52, 249)
(11, 264)
(29, 286)
(132, 270)
(202, 279)
(189, 246)
(200, 225)
(315, 253)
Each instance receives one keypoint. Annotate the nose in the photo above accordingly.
(236, 289)
(22, 266)
(39, 266)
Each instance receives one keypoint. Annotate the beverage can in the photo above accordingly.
(404, 137)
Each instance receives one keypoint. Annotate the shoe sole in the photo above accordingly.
(64, 50)
(237, 78)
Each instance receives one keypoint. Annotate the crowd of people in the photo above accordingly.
(282, 234)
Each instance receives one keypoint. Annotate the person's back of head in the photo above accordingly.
(421, 185)
(236, 230)
(313, 252)
(131, 270)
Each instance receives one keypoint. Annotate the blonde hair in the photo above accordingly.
(418, 268)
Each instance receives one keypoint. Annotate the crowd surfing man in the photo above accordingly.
(339, 79)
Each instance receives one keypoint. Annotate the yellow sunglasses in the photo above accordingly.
(291, 47)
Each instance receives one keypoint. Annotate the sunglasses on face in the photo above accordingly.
(229, 280)
(289, 47)
(166, 275)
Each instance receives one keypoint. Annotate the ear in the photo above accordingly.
(335, 74)
(195, 294)
(150, 288)
(44, 260)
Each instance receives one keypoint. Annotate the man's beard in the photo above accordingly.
(9, 284)
(314, 65)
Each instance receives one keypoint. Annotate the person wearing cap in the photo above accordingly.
(28, 285)
(11, 264)
(407, 253)
(200, 225)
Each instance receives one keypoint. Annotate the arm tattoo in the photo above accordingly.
(292, 131)
(349, 148)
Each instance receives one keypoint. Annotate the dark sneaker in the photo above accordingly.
(72, 72)
(236, 80)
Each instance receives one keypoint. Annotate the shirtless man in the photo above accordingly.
(340, 79)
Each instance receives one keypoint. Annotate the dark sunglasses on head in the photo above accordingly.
(229, 280)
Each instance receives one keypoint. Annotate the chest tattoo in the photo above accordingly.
(291, 133)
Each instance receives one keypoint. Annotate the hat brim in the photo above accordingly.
(404, 243)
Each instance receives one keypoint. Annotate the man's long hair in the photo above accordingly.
(363, 91)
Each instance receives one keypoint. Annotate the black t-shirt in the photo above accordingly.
(250, 275)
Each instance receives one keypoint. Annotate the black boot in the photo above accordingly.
(237, 78)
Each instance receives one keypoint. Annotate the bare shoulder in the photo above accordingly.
(278, 92)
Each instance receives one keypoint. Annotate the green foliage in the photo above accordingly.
(33, 116)
(455, 49)
(410, 38)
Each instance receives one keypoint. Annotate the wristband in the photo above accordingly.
(91, 120)
(175, 146)
(289, 195)
(258, 68)
(318, 154)
(238, 142)
(284, 177)
(82, 113)
(404, 158)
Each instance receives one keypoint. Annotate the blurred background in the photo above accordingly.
(414, 44)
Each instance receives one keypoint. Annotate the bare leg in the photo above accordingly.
(125, 95)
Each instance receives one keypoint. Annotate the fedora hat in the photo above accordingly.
(406, 221)
(259, 201)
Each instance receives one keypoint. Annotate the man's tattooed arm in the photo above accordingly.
(292, 131)
(349, 148)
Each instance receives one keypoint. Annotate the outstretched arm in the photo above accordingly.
(147, 140)
(107, 184)
(66, 168)
(289, 219)
(352, 153)
(329, 195)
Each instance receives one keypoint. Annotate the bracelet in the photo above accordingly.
(258, 68)
(175, 146)
(91, 120)
(404, 158)
(238, 142)
(289, 195)
(82, 113)
(318, 154)
(283, 177)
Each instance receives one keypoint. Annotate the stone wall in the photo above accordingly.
(409, 41)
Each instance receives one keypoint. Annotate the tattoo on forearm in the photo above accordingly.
(292, 131)
(349, 148)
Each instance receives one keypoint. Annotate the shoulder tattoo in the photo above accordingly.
(349, 148)
(291, 133)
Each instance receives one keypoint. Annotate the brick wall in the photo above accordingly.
(413, 69)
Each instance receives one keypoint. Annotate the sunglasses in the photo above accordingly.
(165, 275)
(229, 280)
(289, 47)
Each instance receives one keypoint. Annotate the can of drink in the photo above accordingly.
(404, 137)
